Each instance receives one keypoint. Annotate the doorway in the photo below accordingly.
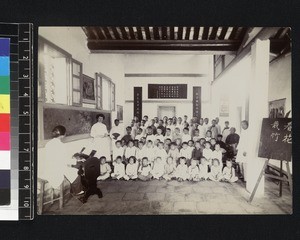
(169, 111)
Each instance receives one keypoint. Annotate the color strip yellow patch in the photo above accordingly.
(4, 103)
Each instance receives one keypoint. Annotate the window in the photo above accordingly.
(105, 92)
(76, 82)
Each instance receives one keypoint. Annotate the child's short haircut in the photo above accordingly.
(160, 143)
(207, 142)
(191, 141)
(132, 157)
(130, 141)
(118, 141)
(140, 129)
(103, 157)
(145, 158)
(149, 141)
(213, 139)
(168, 139)
(168, 129)
(208, 131)
(219, 135)
(149, 127)
(184, 143)
(141, 142)
(128, 128)
(196, 130)
(118, 157)
(182, 158)
(216, 160)
(173, 144)
(226, 121)
(186, 128)
(177, 128)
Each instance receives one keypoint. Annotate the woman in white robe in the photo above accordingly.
(242, 147)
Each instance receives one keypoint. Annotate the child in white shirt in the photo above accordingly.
(186, 136)
(186, 152)
(144, 170)
(158, 168)
(215, 171)
(217, 153)
(139, 134)
(161, 152)
(229, 173)
(131, 169)
(159, 135)
(193, 171)
(196, 136)
(118, 150)
(174, 153)
(181, 173)
(170, 169)
(119, 169)
(208, 135)
(203, 169)
(207, 153)
(149, 152)
(105, 169)
(130, 150)
(140, 152)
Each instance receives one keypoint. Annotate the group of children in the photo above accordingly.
(162, 152)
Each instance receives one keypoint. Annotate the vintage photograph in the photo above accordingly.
(163, 120)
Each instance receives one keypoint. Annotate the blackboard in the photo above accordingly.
(75, 121)
(276, 139)
(167, 90)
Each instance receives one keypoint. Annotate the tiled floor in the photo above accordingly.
(162, 197)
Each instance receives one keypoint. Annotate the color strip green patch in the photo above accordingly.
(4, 85)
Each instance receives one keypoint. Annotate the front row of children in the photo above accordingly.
(168, 170)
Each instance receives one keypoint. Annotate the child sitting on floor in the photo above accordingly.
(105, 169)
(185, 152)
(193, 171)
(119, 169)
(158, 168)
(203, 169)
(170, 169)
(229, 172)
(174, 153)
(215, 171)
(181, 170)
(131, 169)
(144, 170)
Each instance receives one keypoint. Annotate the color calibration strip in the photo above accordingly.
(5, 145)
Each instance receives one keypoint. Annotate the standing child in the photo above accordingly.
(159, 135)
(140, 152)
(174, 153)
(144, 170)
(170, 169)
(139, 134)
(208, 135)
(161, 152)
(105, 169)
(197, 152)
(193, 171)
(131, 169)
(207, 153)
(178, 143)
(215, 171)
(197, 135)
(181, 173)
(186, 135)
(119, 169)
(158, 168)
(118, 150)
(177, 133)
(203, 169)
(186, 152)
(229, 172)
(128, 135)
(149, 152)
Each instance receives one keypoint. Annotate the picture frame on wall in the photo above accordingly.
(88, 90)
(120, 113)
(277, 108)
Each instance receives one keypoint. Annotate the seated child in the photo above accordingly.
(170, 169)
(167, 147)
(197, 151)
(128, 135)
(196, 136)
(140, 151)
(193, 171)
(144, 170)
(185, 152)
(174, 153)
(131, 169)
(161, 152)
(215, 171)
(158, 168)
(168, 134)
(105, 169)
(229, 172)
(186, 135)
(202, 143)
(136, 143)
(203, 169)
(178, 143)
(119, 169)
(177, 133)
(181, 173)
(191, 144)
(130, 150)
(212, 143)
(207, 153)
(118, 150)
(149, 152)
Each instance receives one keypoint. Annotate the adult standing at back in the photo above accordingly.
(101, 140)
(242, 155)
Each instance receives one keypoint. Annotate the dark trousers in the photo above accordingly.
(90, 186)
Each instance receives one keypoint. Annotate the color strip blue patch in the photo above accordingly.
(4, 46)
(4, 66)
(4, 179)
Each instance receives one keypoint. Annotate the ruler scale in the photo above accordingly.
(22, 186)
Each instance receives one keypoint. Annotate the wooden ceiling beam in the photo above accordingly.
(124, 33)
(116, 33)
(131, 33)
(195, 45)
(139, 33)
(107, 33)
(172, 33)
(196, 33)
(187, 33)
(205, 33)
(156, 33)
(179, 33)
(223, 33)
(147, 31)
(213, 34)
(164, 31)
(233, 33)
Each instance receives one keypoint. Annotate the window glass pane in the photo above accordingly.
(76, 69)
(76, 83)
(76, 97)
